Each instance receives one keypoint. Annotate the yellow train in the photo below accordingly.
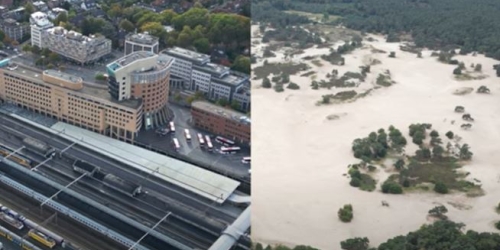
(42, 238)
(4, 151)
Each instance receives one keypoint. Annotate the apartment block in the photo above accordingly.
(220, 121)
(13, 29)
(143, 75)
(194, 71)
(141, 42)
(64, 97)
(39, 23)
(75, 46)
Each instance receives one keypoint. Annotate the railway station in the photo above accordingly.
(126, 197)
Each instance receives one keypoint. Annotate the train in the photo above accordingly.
(23, 161)
(121, 184)
(42, 238)
(38, 147)
(83, 167)
(37, 232)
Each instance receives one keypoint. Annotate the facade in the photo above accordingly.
(65, 98)
(13, 29)
(141, 42)
(75, 46)
(194, 71)
(39, 22)
(220, 121)
(142, 75)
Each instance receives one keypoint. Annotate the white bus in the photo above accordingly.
(246, 160)
(210, 147)
(172, 127)
(187, 134)
(224, 141)
(229, 150)
(176, 144)
(200, 139)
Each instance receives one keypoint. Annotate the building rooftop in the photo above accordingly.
(142, 38)
(187, 55)
(73, 35)
(220, 111)
(40, 19)
(100, 93)
(63, 76)
(161, 61)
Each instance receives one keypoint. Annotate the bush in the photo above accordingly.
(355, 244)
(457, 71)
(497, 225)
(279, 88)
(355, 182)
(266, 83)
(346, 213)
(392, 54)
(434, 133)
(478, 67)
(390, 187)
(440, 188)
(293, 85)
(449, 134)
(100, 77)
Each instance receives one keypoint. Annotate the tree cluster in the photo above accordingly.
(259, 246)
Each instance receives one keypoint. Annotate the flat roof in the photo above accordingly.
(220, 111)
(36, 75)
(187, 54)
(143, 38)
(213, 186)
(130, 58)
(63, 76)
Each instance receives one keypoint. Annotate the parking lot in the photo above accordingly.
(225, 163)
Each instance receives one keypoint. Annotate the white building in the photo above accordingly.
(141, 42)
(39, 22)
(194, 71)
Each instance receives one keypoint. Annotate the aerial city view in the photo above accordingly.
(125, 125)
(380, 128)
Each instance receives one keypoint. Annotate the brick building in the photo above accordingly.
(220, 121)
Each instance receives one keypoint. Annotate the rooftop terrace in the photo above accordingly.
(220, 111)
(143, 38)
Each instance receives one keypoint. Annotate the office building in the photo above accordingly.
(143, 75)
(194, 71)
(39, 22)
(141, 42)
(65, 98)
(220, 121)
(13, 29)
(75, 46)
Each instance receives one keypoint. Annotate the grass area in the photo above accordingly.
(313, 16)
(445, 171)
(469, 77)
(317, 63)
(278, 68)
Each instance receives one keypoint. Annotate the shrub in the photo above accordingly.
(449, 134)
(279, 88)
(392, 54)
(293, 85)
(390, 187)
(355, 182)
(440, 188)
(457, 71)
(497, 225)
(346, 213)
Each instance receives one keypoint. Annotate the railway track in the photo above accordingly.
(73, 232)
(210, 211)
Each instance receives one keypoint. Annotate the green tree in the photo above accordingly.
(127, 25)
(441, 188)
(355, 244)
(399, 164)
(390, 187)
(450, 135)
(457, 71)
(434, 133)
(465, 153)
(202, 45)
(62, 17)
(418, 137)
(266, 83)
(439, 212)
(437, 151)
(192, 18)
(223, 102)
(26, 48)
(345, 213)
(478, 67)
(242, 64)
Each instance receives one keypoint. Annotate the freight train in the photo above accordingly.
(23, 161)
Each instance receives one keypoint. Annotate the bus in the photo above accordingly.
(187, 134)
(210, 147)
(200, 139)
(176, 144)
(172, 128)
(246, 160)
(42, 238)
(224, 141)
(229, 150)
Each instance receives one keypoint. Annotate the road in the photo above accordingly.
(184, 204)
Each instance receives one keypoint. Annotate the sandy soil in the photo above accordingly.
(300, 156)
